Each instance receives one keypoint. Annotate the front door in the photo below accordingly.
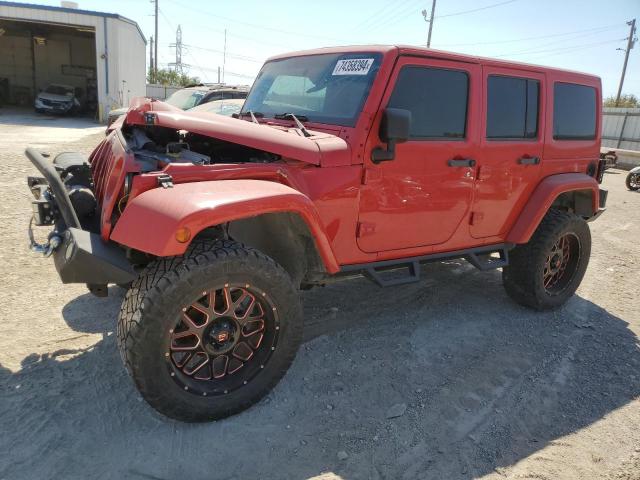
(509, 162)
(424, 195)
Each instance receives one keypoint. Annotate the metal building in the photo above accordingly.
(101, 55)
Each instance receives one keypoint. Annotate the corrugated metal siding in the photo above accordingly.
(129, 64)
(160, 92)
(613, 122)
(125, 52)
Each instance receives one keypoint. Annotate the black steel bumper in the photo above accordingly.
(82, 257)
(79, 256)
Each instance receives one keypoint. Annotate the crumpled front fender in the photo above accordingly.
(150, 221)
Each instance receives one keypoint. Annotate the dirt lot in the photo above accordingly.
(483, 388)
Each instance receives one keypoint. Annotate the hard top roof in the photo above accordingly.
(428, 53)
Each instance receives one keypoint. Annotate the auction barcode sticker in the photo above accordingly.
(353, 66)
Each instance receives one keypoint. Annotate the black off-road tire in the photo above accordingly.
(523, 279)
(154, 302)
(633, 181)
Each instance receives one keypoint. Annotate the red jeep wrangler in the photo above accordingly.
(343, 161)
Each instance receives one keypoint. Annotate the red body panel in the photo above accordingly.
(358, 211)
(542, 198)
(417, 199)
(194, 205)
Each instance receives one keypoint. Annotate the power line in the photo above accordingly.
(229, 54)
(573, 47)
(464, 12)
(543, 45)
(396, 17)
(254, 25)
(386, 16)
(376, 14)
(515, 40)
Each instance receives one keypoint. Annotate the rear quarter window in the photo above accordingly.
(574, 112)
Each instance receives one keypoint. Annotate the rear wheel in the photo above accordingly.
(633, 181)
(544, 273)
(206, 335)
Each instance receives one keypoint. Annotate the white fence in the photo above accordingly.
(621, 128)
(160, 92)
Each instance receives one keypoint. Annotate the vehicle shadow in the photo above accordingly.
(485, 383)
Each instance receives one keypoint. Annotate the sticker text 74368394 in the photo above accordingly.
(353, 66)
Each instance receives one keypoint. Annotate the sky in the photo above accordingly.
(581, 35)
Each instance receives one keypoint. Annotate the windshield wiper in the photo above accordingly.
(297, 119)
(250, 113)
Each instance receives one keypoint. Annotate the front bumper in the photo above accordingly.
(53, 108)
(80, 256)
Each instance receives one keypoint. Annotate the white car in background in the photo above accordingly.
(221, 107)
(57, 98)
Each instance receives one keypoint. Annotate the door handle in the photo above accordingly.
(464, 162)
(529, 160)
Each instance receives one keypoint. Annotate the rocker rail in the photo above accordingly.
(478, 257)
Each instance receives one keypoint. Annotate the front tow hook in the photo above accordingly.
(53, 241)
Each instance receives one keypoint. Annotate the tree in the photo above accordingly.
(170, 78)
(628, 100)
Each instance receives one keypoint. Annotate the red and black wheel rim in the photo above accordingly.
(561, 264)
(222, 340)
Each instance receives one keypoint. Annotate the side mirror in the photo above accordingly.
(394, 128)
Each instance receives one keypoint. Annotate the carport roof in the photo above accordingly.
(74, 10)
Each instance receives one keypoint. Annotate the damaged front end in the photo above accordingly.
(80, 255)
(155, 146)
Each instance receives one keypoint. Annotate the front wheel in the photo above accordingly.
(633, 181)
(207, 335)
(545, 272)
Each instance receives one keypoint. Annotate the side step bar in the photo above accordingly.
(481, 258)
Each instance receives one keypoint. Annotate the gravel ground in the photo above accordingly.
(443, 379)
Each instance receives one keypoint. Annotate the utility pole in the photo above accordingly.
(224, 54)
(152, 74)
(631, 40)
(430, 21)
(155, 52)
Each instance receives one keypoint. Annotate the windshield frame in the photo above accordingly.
(317, 116)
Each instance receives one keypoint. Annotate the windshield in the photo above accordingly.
(59, 90)
(327, 88)
(185, 99)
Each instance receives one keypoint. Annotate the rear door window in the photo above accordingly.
(437, 99)
(574, 112)
(512, 107)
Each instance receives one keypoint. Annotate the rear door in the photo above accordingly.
(512, 140)
(424, 195)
